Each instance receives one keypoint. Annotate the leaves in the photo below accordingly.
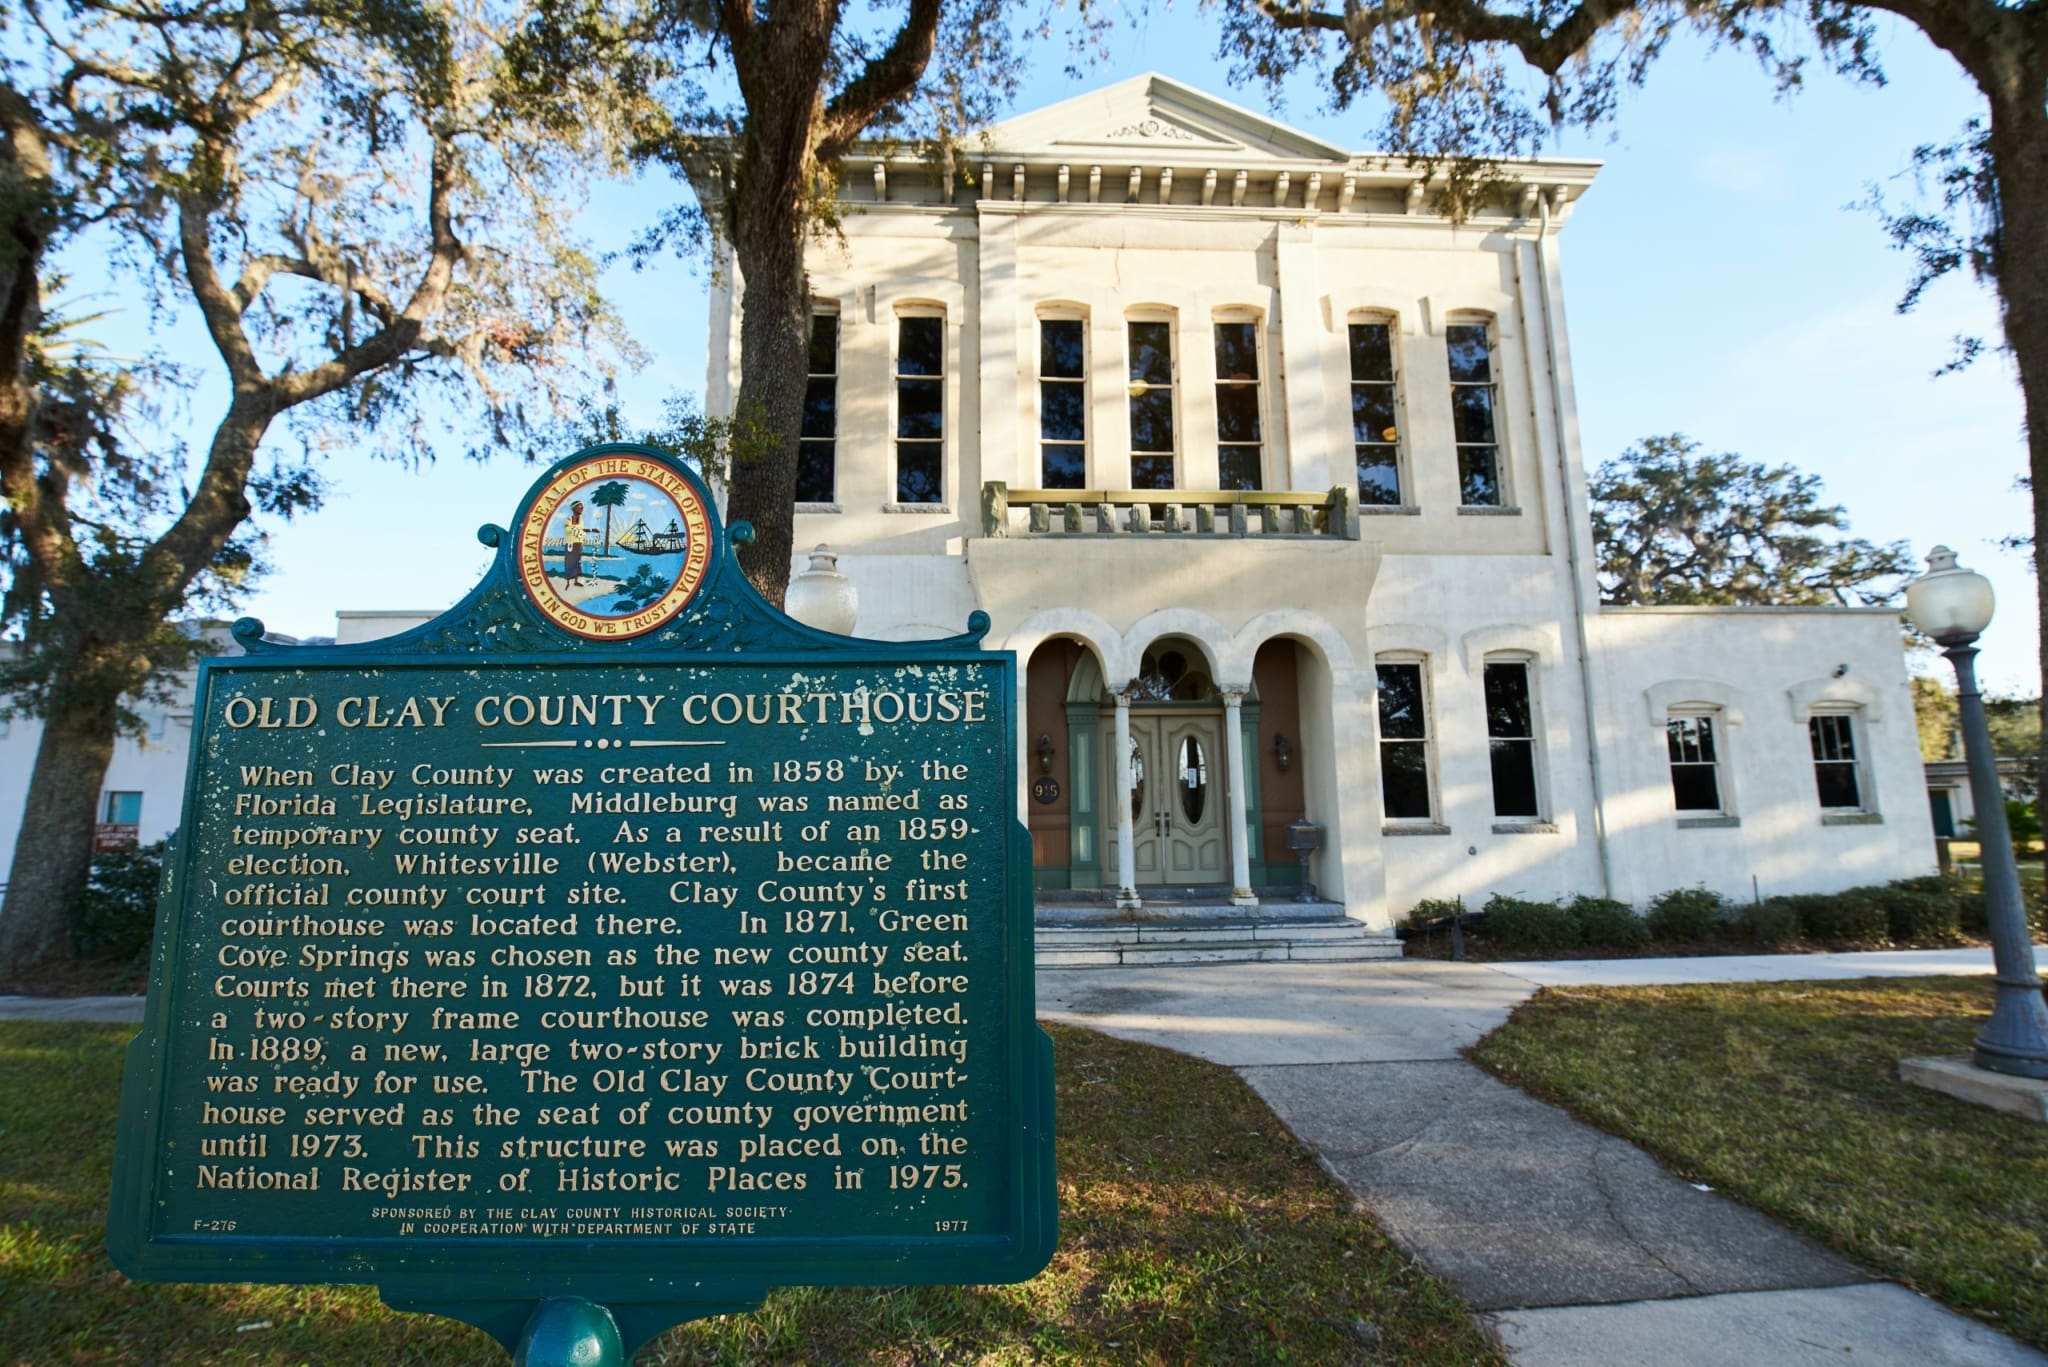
(1675, 527)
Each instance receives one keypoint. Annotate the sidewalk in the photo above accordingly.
(1575, 1246)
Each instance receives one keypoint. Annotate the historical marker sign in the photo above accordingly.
(611, 937)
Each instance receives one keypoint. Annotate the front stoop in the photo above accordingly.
(1193, 935)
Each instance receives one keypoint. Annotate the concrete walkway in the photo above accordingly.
(1575, 1246)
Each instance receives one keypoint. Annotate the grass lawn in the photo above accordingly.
(1785, 1095)
(1194, 1229)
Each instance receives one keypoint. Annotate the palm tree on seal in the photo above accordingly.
(608, 496)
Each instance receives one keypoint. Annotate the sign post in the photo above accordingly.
(596, 956)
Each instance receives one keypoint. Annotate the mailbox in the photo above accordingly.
(1304, 837)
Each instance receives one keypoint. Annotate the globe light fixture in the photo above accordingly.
(1954, 605)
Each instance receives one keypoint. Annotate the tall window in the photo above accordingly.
(1152, 459)
(1239, 449)
(1834, 760)
(920, 408)
(817, 447)
(1511, 739)
(1375, 437)
(1404, 743)
(1695, 764)
(1062, 403)
(1472, 414)
(122, 809)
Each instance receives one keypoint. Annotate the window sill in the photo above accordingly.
(1481, 510)
(937, 509)
(1708, 823)
(1390, 510)
(1418, 828)
(1851, 819)
(819, 508)
(1525, 828)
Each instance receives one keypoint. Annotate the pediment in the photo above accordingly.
(1155, 118)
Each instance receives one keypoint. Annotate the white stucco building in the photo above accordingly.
(1271, 478)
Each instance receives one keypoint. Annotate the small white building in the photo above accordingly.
(1270, 475)
(1271, 478)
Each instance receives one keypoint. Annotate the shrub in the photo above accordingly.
(1431, 909)
(1840, 918)
(1687, 914)
(116, 915)
(1916, 918)
(1771, 922)
(1604, 921)
(1518, 923)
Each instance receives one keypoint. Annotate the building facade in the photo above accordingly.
(1270, 476)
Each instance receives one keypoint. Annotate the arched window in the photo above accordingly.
(1375, 424)
(1475, 408)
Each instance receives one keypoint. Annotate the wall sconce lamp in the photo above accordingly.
(1044, 752)
(1282, 755)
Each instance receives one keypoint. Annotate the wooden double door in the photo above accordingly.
(1179, 824)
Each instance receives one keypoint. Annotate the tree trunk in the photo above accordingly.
(2019, 154)
(774, 364)
(53, 853)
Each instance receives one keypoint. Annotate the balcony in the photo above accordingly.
(1168, 513)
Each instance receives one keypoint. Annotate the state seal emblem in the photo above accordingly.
(614, 546)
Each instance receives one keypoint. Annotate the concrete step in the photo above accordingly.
(1182, 942)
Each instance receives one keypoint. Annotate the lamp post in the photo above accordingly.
(1953, 605)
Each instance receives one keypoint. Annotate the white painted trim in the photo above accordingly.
(1661, 699)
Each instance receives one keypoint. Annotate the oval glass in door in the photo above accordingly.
(1193, 765)
(1137, 783)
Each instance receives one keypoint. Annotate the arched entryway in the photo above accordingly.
(1179, 788)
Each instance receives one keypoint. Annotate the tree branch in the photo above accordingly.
(887, 78)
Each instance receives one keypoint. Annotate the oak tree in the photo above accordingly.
(363, 214)
(755, 103)
(1673, 526)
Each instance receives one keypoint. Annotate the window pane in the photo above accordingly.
(1152, 353)
(917, 472)
(1065, 467)
(1372, 351)
(1477, 486)
(1466, 343)
(1507, 701)
(1152, 420)
(1514, 778)
(814, 472)
(1837, 784)
(920, 346)
(1404, 779)
(1472, 415)
(124, 809)
(1400, 694)
(919, 408)
(1379, 479)
(1832, 738)
(824, 343)
(1691, 740)
(1238, 467)
(1059, 348)
(1237, 351)
(1372, 413)
(1695, 788)
(1061, 411)
(820, 403)
(1151, 472)
(1237, 412)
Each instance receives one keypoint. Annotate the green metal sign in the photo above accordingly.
(596, 956)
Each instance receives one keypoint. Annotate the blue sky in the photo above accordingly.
(1716, 282)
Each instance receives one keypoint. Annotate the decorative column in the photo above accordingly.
(1126, 857)
(1234, 780)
